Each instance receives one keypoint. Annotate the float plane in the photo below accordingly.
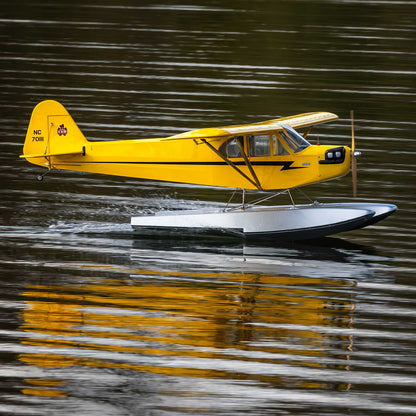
(269, 156)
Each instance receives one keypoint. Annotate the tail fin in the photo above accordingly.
(52, 132)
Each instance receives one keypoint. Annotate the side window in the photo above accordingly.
(230, 147)
(223, 149)
(278, 148)
(259, 145)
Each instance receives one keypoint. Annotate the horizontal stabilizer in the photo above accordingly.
(81, 152)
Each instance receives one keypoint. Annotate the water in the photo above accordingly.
(97, 321)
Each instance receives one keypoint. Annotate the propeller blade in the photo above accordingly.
(353, 157)
(352, 132)
(354, 176)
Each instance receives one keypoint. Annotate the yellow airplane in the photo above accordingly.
(268, 155)
(265, 156)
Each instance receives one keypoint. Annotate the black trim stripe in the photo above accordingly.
(284, 165)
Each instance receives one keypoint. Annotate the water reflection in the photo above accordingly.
(206, 324)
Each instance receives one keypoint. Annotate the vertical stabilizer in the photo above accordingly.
(52, 132)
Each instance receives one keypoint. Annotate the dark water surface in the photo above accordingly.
(95, 321)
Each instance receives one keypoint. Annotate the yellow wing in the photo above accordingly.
(297, 121)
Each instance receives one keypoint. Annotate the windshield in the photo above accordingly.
(294, 140)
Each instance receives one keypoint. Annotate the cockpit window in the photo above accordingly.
(278, 148)
(294, 140)
(259, 145)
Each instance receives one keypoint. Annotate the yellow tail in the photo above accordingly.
(52, 132)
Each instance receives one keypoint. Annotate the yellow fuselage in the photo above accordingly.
(200, 157)
(185, 161)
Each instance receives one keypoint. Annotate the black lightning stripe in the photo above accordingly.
(285, 165)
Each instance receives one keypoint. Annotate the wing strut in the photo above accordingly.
(231, 164)
(305, 135)
(250, 167)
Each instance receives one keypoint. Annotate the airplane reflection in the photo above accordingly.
(181, 321)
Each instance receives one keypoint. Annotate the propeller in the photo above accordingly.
(354, 155)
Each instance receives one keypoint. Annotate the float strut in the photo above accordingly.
(291, 198)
